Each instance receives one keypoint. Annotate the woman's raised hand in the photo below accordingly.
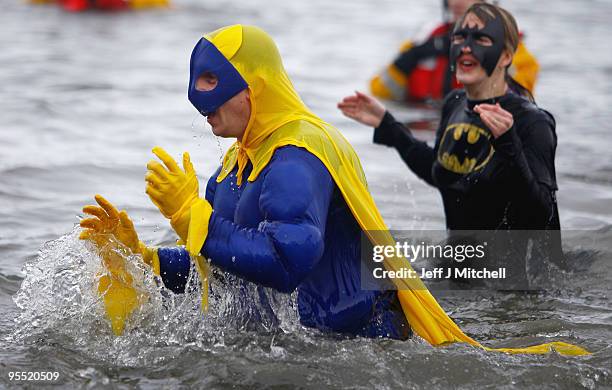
(495, 118)
(363, 108)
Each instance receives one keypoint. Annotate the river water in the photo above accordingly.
(84, 98)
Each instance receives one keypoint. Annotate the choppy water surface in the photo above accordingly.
(85, 97)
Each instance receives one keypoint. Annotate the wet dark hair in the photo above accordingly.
(487, 12)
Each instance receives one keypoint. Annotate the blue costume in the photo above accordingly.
(293, 224)
(288, 227)
(291, 229)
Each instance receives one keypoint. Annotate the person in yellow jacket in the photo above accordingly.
(286, 208)
(422, 71)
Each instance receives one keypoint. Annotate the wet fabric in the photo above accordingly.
(486, 183)
(290, 229)
(274, 101)
(174, 268)
(206, 58)
(279, 118)
(426, 316)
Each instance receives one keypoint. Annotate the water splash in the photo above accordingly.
(208, 130)
(59, 303)
(220, 148)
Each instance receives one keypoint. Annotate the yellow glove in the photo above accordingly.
(176, 193)
(173, 190)
(109, 221)
(116, 288)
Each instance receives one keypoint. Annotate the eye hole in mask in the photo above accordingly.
(483, 39)
(479, 38)
(207, 81)
(458, 38)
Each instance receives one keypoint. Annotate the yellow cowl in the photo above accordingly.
(274, 101)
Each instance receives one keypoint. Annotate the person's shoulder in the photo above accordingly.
(528, 112)
(291, 153)
(296, 159)
(529, 117)
(292, 179)
(453, 99)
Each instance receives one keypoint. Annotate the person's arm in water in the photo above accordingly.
(533, 156)
(367, 110)
(294, 201)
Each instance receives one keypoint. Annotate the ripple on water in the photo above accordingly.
(252, 336)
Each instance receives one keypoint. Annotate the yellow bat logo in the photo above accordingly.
(465, 148)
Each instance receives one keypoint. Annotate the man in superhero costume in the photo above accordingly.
(272, 214)
(286, 209)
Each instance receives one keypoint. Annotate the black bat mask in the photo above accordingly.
(486, 55)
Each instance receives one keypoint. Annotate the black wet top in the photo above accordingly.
(485, 183)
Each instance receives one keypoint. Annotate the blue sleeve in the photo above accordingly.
(174, 265)
(295, 197)
(174, 262)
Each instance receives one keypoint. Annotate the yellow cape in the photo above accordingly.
(280, 118)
